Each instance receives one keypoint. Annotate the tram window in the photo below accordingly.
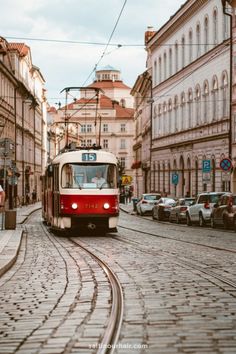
(77, 175)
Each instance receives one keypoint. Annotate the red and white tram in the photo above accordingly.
(80, 189)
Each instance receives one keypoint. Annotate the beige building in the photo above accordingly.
(189, 61)
(102, 115)
(23, 121)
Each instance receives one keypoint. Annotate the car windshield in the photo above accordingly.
(214, 198)
(151, 197)
(88, 176)
(188, 201)
(169, 201)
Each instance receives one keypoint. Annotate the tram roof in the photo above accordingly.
(76, 156)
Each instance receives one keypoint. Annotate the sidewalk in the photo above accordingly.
(127, 208)
(10, 240)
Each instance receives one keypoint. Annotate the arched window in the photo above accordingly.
(206, 34)
(176, 57)
(190, 39)
(213, 166)
(164, 117)
(155, 73)
(183, 51)
(182, 118)
(215, 26)
(198, 104)
(196, 177)
(225, 101)
(176, 114)
(215, 98)
(169, 129)
(170, 62)
(165, 67)
(159, 119)
(205, 101)
(225, 27)
(198, 40)
(160, 70)
(164, 177)
(190, 108)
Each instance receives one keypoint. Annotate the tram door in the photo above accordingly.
(56, 195)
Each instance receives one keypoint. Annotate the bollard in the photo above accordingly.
(10, 219)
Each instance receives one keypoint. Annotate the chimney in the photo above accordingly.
(149, 33)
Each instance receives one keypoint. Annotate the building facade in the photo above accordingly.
(189, 59)
(23, 121)
(102, 115)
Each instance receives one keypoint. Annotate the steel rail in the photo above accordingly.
(110, 338)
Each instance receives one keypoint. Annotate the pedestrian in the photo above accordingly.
(34, 196)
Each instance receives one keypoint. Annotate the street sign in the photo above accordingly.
(126, 180)
(225, 176)
(206, 166)
(175, 178)
(206, 176)
(226, 165)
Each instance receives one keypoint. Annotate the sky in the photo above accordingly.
(92, 21)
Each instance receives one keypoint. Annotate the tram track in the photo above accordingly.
(211, 275)
(111, 336)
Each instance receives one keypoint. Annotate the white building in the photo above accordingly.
(102, 115)
(189, 61)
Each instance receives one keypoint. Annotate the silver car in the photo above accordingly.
(146, 203)
(200, 211)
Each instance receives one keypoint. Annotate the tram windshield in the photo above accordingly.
(88, 176)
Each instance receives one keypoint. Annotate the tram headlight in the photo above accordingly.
(74, 206)
(106, 206)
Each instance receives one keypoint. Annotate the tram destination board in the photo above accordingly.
(89, 156)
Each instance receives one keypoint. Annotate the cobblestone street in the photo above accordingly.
(178, 288)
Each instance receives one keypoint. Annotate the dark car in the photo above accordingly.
(178, 212)
(161, 209)
(224, 212)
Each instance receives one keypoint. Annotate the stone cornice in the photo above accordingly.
(175, 22)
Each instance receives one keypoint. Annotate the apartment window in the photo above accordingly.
(176, 114)
(105, 143)
(155, 72)
(169, 129)
(122, 162)
(190, 36)
(105, 128)
(170, 62)
(83, 128)
(123, 127)
(225, 26)
(190, 108)
(160, 69)
(123, 144)
(215, 26)
(89, 128)
(183, 51)
(165, 68)
(214, 98)
(198, 105)
(205, 101)
(164, 118)
(89, 142)
(206, 34)
(182, 123)
(176, 57)
(225, 95)
(198, 42)
(83, 142)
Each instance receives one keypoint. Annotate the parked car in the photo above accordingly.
(161, 209)
(178, 212)
(200, 211)
(224, 211)
(146, 203)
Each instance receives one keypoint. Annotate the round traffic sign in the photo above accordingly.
(226, 164)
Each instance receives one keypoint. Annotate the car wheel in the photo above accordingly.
(213, 225)
(189, 222)
(201, 220)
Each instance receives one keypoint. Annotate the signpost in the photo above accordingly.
(206, 171)
(226, 165)
(175, 178)
(126, 180)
